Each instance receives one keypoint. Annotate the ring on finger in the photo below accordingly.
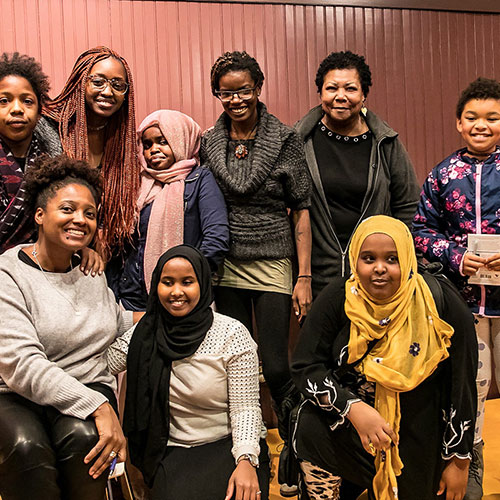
(259, 492)
(112, 454)
(372, 448)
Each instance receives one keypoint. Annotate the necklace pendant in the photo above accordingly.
(241, 151)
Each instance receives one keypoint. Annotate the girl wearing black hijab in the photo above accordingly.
(192, 413)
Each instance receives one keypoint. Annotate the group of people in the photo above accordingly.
(104, 225)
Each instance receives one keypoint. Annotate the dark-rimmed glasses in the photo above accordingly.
(242, 94)
(117, 85)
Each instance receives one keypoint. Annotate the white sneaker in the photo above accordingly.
(289, 491)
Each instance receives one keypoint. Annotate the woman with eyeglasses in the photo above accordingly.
(260, 167)
(96, 121)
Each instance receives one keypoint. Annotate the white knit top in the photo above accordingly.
(215, 392)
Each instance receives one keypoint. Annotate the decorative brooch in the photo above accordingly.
(241, 151)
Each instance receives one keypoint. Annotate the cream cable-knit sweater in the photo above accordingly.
(55, 329)
(215, 392)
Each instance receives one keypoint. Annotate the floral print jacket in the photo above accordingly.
(460, 196)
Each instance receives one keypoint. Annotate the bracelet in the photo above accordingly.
(308, 276)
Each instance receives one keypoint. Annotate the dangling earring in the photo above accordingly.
(364, 109)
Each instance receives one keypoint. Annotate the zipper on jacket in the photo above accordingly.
(343, 252)
(479, 171)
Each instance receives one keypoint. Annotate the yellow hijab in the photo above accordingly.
(413, 338)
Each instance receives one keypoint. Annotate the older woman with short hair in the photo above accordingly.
(358, 165)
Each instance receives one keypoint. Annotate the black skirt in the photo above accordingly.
(202, 472)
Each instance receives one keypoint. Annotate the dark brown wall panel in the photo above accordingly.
(420, 59)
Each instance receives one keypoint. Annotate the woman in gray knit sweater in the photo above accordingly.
(60, 432)
(260, 167)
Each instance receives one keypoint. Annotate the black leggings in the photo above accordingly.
(272, 317)
(42, 452)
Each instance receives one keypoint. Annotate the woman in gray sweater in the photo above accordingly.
(60, 432)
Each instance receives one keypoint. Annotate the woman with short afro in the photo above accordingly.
(358, 165)
(60, 433)
(23, 137)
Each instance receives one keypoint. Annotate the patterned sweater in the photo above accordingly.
(258, 192)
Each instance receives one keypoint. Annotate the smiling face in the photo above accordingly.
(157, 152)
(341, 97)
(479, 125)
(238, 109)
(69, 220)
(378, 266)
(18, 113)
(178, 289)
(105, 102)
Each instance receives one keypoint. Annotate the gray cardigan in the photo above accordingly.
(259, 189)
(392, 190)
(55, 329)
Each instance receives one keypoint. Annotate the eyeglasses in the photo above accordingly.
(117, 85)
(242, 94)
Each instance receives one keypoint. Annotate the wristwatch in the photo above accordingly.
(253, 459)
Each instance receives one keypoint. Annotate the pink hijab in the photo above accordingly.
(166, 187)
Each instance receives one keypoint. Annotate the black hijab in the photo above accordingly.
(159, 339)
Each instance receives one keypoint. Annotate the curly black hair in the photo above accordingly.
(481, 88)
(235, 61)
(27, 67)
(48, 175)
(345, 60)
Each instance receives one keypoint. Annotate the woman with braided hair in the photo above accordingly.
(260, 166)
(95, 116)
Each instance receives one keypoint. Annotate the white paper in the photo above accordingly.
(484, 245)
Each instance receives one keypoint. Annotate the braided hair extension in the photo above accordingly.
(120, 166)
(235, 61)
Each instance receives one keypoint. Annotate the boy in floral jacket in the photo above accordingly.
(462, 196)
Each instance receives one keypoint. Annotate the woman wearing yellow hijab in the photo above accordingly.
(388, 376)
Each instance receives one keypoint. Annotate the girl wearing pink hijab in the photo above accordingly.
(179, 202)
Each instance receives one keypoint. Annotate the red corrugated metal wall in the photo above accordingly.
(420, 59)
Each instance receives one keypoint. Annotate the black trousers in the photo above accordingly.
(341, 452)
(272, 317)
(202, 472)
(42, 452)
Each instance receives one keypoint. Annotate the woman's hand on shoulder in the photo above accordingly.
(302, 298)
(91, 262)
(111, 442)
(375, 433)
(454, 479)
(243, 483)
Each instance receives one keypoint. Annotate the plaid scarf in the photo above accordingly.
(16, 225)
